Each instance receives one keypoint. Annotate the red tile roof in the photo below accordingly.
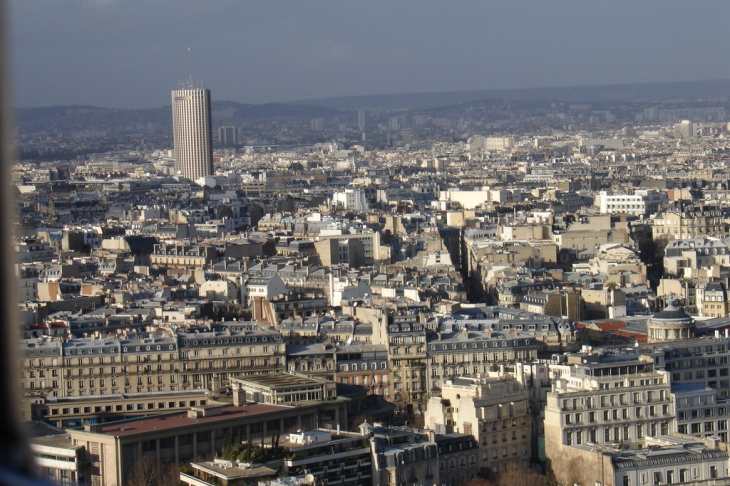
(162, 422)
(611, 326)
(639, 337)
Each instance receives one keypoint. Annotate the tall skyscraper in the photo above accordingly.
(361, 120)
(192, 132)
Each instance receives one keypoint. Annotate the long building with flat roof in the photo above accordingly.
(114, 449)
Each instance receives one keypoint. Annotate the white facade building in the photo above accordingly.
(643, 202)
(351, 199)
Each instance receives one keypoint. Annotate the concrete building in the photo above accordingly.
(65, 412)
(643, 202)
(317, 124)
(373, 251)
(283, 389)
(350, 200)
(115, 449)
(685, 130)
(220, 472)
(341, 251)
(59, 461)
(192, 132)
(331, 457)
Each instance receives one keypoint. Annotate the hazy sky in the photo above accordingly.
(131, 53)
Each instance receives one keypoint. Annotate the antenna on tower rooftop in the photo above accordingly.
(190, 71)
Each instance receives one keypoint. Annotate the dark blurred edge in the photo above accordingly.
(17, 466)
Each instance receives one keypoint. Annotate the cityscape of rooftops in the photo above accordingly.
(344, 244)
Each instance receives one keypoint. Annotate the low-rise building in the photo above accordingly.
(114, 449)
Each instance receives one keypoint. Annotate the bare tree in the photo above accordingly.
(480, 482)
(144, 472)
(517, 475)
(148, 472)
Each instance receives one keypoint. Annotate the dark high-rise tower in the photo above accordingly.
(192, 132)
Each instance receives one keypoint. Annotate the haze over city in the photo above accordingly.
(129, 54)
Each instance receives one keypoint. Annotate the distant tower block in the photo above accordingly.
(361, 119)
(228, 136)
(192, 133)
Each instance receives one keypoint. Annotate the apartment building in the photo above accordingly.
(715, 301)
(182, 256)
(34, 250)
(609, 398)
(699, 361)
(677, 224)
(494, 409)
(402, 457)
(666, 459)
(688, 257)
(371, 250)
(146, 362)
(211, 359)
(700, 411)
(406, 339)
(364, 365)
(472, 351)
(458, 455)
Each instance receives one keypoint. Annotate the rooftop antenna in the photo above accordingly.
(190, 71)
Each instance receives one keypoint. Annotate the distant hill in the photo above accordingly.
(648, 92)
(82, 117)
(273, 110)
